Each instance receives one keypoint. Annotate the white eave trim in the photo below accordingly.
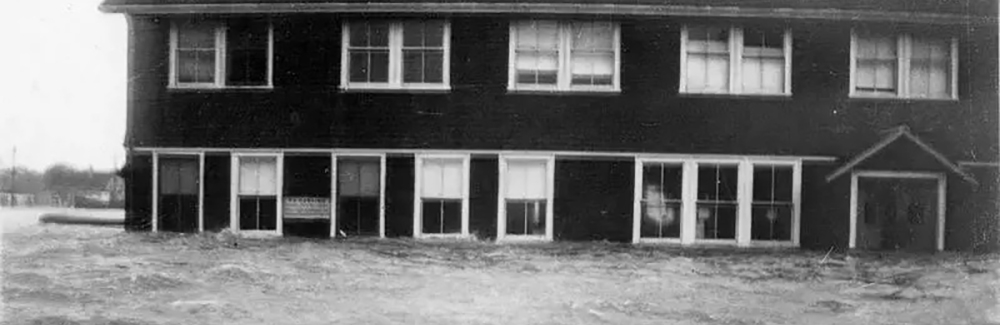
(551, 8)
(893, 135)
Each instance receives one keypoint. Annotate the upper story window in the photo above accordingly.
(548, 55)
(409, 54)
(903, 66)
(216, 54)
(733, 60)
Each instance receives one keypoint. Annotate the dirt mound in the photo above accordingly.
(147, 282)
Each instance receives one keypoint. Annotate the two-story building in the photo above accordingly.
(847, 123)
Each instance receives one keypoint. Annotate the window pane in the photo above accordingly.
(247, 47)
(358, 177)
(196, 66)
(441, 216)
(358, 215)
(423, 66)
(442, 178)
(525, 217)
(526, 179)
(716, 221)
(537, 67)
(772, 183)
(369, 66)
(763, 61)
(876, 63)
(592, 36)
(537, 35)
(771, 222)
(195, 35)
(258, 213)
(423, 33)
(717, 183)
(258, 176)
(662, 181)
(178, 176)
(593, 68)
(369, 34)
(930, 64)
(660, 220)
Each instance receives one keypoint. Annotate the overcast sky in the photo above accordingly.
(62, 84)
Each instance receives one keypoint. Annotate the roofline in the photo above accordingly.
(552, 8)
(895, 134)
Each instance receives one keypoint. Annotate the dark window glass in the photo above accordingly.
(526, 217)
(442, 216)
(247, 43)
(258, 213)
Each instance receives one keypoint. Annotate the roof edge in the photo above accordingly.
(553, 8)
(893, 135)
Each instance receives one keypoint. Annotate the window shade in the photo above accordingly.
(708, 59)
(258, 176)
(526, 180)
(358, 178)
(442, 178)
(178, 176)
(876, 63)
(930, 63)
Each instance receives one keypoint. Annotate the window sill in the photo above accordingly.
(565, 92)
(857, 97)
(258, 233)
(523, 239)
(218, 88)
(660, 241)
(781, 97)
(773, 244)
(402, 90)
(456, 236)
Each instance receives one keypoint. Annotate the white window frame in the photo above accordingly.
(334, 158)
(221, 29)
(395, 81)
(156, 186)
(418, 197)
(903, 50)
(234, 187)
(735, 45)
(689, 200)
(564, 75)
(549, 197)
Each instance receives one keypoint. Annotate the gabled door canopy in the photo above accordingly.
(891, 136)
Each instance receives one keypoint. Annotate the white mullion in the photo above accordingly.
(280, 213)
(466, 171)
(637, 200)
(682, 85)
(854, 64)
(381, 198)
(616, 45)
(201, 191)
(512, 56)
(796, 202)
(234, 182)
(395, 54)
(788, 61)
(744, 201)
(902, 65)
(735, 60)
(954, 68)
(156, 192)
(220, 55)
(270, 54)
(502, 199)
(565, 48)
(942, 209)
(853, 233)
(345, 41)
(172, 82)
(689, 198)
(333, 195)
(550, 198)
(446, 43)
(418, 165)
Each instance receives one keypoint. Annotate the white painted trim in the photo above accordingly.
(689, 203)
(333, 195)
(155, 218)
(639, 165)
(234, 187)
(564, 74)
(744, 198)
(637, 200)
(279, 158)
(395, 68)
(418, 199)
(942, 198)
(502, 199)
(335, 198)
(735, 79)
(797, 204)
(904, 49)
(975, 164)
(562, 154)
(220, 29)
(201, 192)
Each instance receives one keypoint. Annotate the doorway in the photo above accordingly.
(898, 211)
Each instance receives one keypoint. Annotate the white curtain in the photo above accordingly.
(537, 47)
(442, 178)
(258, 176)
(930, 61)
(526, 179)
(593, 50)
(876, 65)
(707, 59)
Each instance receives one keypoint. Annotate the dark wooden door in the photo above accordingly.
(897, 214)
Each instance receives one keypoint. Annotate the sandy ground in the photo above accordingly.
(62, 274)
